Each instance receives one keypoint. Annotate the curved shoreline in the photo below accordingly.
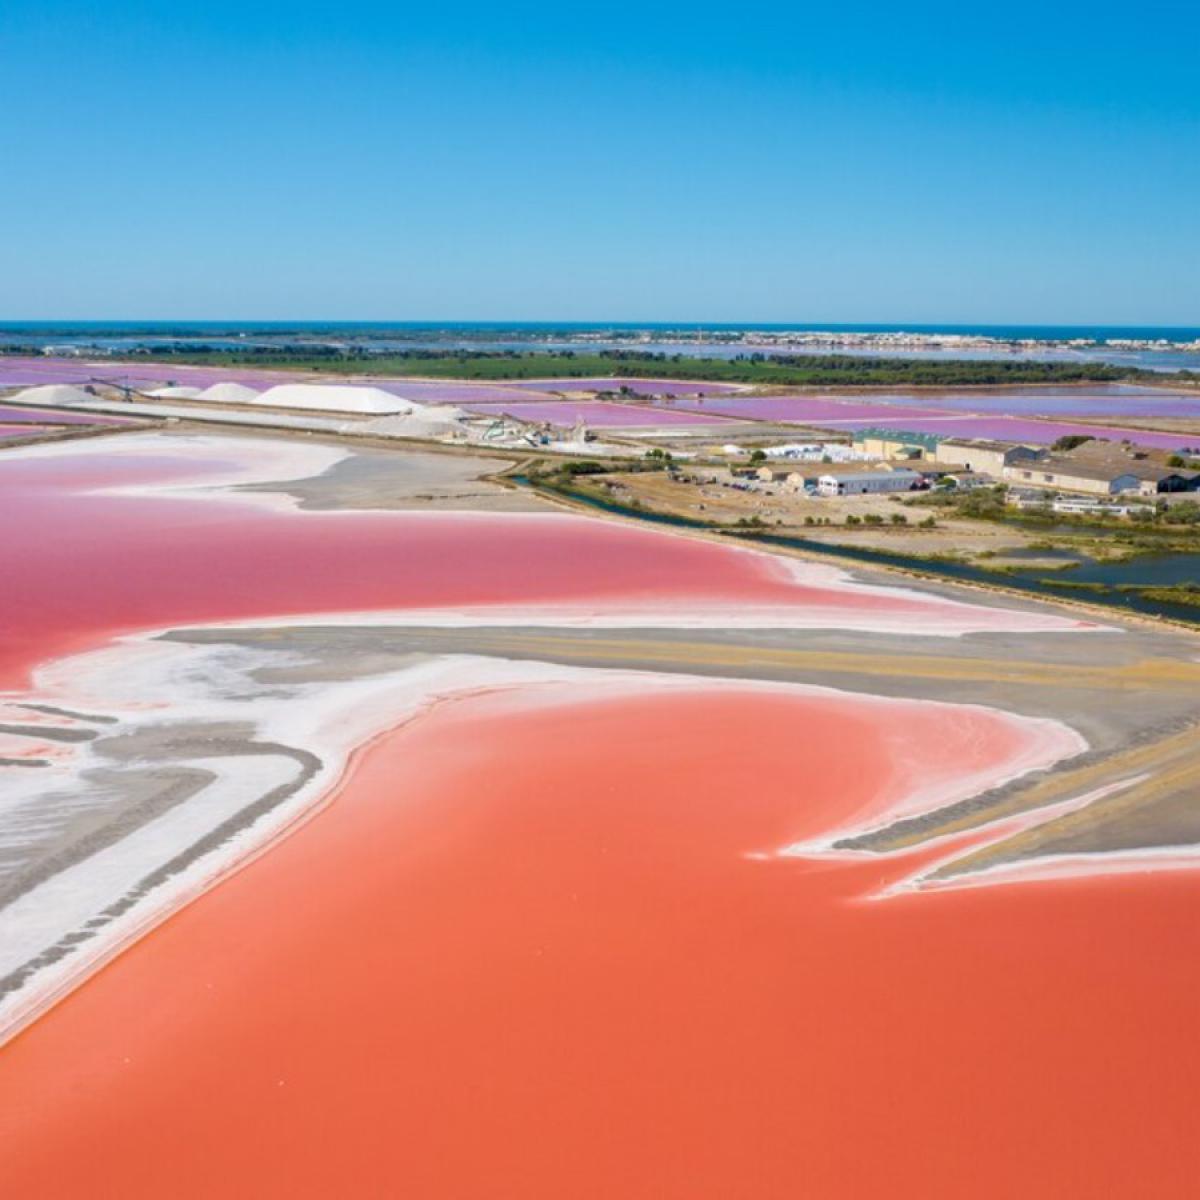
(193, 870)
(580, 504)
(337, 747)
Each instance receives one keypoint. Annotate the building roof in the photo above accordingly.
(906, 437)
(1144, 461)
(1110, 466)
(859, 476)
(992, 444)
(1066, 469)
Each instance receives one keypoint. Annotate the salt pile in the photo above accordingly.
(229, 393)
(54, 393)
(175, 393)
(336, 398)
(424, 421)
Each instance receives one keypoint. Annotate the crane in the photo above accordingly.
(127, 390)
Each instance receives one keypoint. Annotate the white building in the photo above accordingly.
(864, 483)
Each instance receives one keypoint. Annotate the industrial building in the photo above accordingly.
(862, 483)
(876, 442)
(1109, 476)
(775, 473)
(983, 455)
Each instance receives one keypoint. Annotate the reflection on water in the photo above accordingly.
(1160, 570)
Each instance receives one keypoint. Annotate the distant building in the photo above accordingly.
(877, 442)
(815, 452)
(1102, 476)
(863, 483)
(785, 476)
(983, 455)
(773, 474)
(1084, 506)
(967, 480)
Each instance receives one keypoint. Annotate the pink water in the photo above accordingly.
(1036, 433)
(645, 387)
(847, 415)
(600, 413)
(81, 563)
(1092, 401)
(817, 410)
(534, 950)
(55, 416)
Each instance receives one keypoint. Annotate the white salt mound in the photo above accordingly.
(429, 421)
(336, 398)
(229, 393)
(176, 393)
(54, 393)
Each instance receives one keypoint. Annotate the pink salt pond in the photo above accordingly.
(600, 413)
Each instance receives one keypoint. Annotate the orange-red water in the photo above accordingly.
(524, 955)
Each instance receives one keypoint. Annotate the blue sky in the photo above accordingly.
(776, 162)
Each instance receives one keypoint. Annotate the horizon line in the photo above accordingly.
(500, 323)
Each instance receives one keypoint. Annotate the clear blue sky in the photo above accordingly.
(769, 162)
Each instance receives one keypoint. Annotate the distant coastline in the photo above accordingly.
(1147, 348)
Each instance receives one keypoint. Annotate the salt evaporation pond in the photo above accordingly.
(191, 568)
(533, 945)
(1087, 401)
(850, 415)
(588, 954)
(600, 413)
(1035, 433)
(54, 416)
(804, 409)
(426, 391)
(645, 387)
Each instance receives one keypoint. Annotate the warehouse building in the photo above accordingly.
(983, 455)
(1120, 473)
(876, 442)
(863, 483)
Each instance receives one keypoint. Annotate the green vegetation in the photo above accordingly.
(1071, 441)
(1164, 528)
(1183, 598)
(1187, 594)
(587, 467)
(820, 370)
(1183, 593)
(1096, 588)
